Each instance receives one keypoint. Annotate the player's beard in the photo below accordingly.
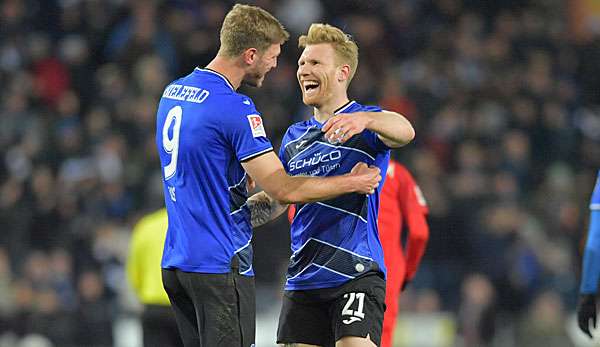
(254, 78)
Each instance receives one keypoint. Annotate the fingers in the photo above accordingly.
(329, 124)
(339, 129)
(371, 175)
(338, 134)
(358, 167)
(587, 332)
(583, 320)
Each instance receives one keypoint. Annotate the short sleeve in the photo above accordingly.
(245, 130)
(595, 201)
(284, 142)
(370, 136)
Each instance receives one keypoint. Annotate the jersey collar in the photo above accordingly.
(218, 74)
(341, 109)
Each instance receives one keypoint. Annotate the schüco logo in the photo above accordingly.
(317, 158)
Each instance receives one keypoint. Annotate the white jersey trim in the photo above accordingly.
(257, 153)
(217, 74)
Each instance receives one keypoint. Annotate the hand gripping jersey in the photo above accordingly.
(336, 240)
(204, 130)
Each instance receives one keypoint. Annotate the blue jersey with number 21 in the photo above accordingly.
(204, 130)
(337, 240)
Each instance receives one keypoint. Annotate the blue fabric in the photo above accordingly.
(595, 200)
(204, 130)
(336, 240)
(591, 255)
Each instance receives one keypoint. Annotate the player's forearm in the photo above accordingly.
(414, 253)
(311, 189)
(418, 236)
(393, 128)
(263, 208)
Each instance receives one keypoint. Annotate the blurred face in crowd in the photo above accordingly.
(320, 74)
(261, 64)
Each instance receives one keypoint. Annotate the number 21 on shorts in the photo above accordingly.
(354, 315)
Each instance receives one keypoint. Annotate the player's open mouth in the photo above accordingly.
(310, 87)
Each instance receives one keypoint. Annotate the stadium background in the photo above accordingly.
(504, 97)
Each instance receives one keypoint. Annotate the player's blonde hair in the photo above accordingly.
(345, 48)
(248, 26)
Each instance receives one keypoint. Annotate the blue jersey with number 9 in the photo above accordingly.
(205, 129)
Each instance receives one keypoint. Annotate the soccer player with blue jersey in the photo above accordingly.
(586, 310)
(335, 286)
(209, 139)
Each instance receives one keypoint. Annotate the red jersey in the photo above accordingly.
(402, 204)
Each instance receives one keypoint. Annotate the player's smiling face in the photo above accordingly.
(318, 73)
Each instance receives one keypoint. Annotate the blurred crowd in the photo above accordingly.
(503, 95)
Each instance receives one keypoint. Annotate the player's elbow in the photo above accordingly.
(410, 133)
(405, 135)
(420, 235)
(283, 195)
(291, 198)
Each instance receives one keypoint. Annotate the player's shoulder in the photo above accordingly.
(301, 125)
(298, 129)
(355, 106)
(243, 102)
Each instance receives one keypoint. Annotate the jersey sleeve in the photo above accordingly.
(414, 209)
(591, 256)
(245, 131)
(371, 136)
(595, 201)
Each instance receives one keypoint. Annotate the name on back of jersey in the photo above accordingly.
(185, 93)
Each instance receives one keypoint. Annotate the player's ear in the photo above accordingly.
(343, 73)
(250, 56)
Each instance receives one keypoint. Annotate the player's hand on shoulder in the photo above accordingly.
(367, 178)
(586, 311)
(340, 128)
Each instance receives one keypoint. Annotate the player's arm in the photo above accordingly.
(586, 309)
(413, 208)
(264, 208)
(392, 128)
(269, 173)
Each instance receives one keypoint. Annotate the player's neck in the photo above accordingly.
(227, 68)
(324, 112)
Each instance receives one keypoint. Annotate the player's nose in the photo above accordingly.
(302, 70)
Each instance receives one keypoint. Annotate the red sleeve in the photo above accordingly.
(414, 209)
(291, 212)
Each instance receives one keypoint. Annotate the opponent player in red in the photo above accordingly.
(402, 204)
